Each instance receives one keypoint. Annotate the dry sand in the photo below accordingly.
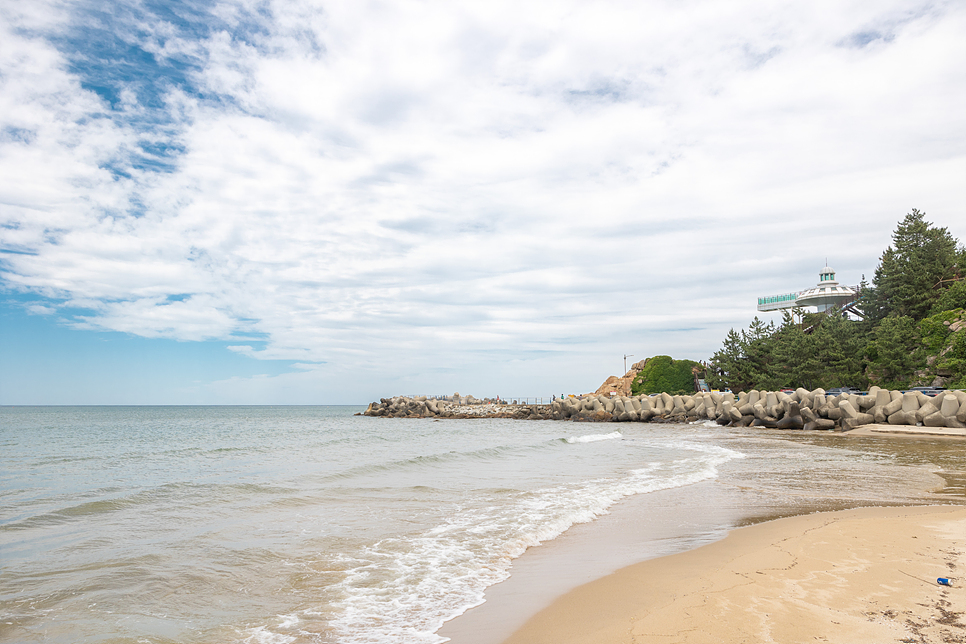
(857, 576)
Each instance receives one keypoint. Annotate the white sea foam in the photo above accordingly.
(261, 635)
(401, 590)
(704, 423)
(288, 621)
(592, 438)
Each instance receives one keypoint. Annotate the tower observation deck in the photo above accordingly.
(827, 294)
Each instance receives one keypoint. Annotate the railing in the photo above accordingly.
(773, 302)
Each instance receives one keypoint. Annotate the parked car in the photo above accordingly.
(835, 391)
(929, 391)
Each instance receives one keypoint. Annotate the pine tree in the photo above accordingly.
(895, 352)
(914, 271)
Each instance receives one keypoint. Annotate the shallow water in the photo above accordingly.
(310, 524)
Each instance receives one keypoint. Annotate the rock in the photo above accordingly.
(793, 419)
(804, 397)
(926, 410)
(667, 401)
(910, 402)
(848, 411)
(822, 424)
(894, 405)
(934, 419)
(950, 406)
(903, 418)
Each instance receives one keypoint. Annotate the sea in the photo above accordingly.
(291, 525)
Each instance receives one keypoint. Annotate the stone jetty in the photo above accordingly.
(799, 409)
(455, 406)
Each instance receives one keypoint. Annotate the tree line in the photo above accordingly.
(908, 330)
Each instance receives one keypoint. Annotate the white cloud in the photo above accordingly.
(491, 192)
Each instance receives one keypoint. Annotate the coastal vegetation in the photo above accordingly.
(664, 374)
(910, 331)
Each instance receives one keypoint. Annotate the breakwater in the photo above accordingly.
(799, 409)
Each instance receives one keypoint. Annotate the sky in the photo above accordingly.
(313, 202)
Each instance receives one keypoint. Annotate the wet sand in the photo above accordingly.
(553, 592)
(864, 575)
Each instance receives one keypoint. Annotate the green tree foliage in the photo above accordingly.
(894, 352)
(896, 346)
(726, 370)
(951, 298)
(796, 362)
(944, 348)
(820, 351)
(745, 359)
(664, 374)
(914, 271)
(840, 346)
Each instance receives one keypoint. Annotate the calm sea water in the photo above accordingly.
(310, 524)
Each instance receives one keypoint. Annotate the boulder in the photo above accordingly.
(823, 424)
(847, 409)
(768, 421)
(950, 406)
(934, 419)
(893, 405)
(878, 413)
(856, 421)
(793, 419)
(882, 398)
(910, 402)
(609, 405)
(804, 397)
(667, 401)
(866, 402)
(903, 418)
(928, 409)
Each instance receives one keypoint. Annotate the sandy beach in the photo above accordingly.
(862, 575)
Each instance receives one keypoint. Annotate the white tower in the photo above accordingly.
(827, 293)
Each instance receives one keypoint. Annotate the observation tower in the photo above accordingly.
(825, 295)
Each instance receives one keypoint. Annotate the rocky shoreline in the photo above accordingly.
(800, 409)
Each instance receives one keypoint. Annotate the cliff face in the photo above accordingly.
(621, 386)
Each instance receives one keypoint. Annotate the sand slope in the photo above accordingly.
(866, 575)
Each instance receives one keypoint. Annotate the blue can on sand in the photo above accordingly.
(943, 580)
